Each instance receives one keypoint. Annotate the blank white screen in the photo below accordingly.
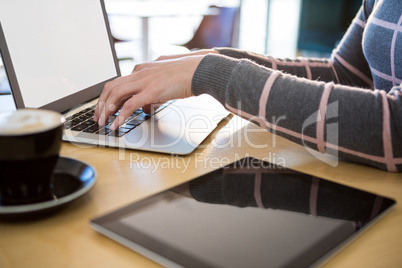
(57, 47)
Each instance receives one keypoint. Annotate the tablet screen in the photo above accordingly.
(248, 214)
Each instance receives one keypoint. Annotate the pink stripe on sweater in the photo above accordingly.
(321, 117)
(354, 70)
(336, 74)
(302, 62)
(264, 96)
(257, 190)
(385, 76)
(240, 112)
(379, 159)
(396, 31)
(262, 57)
(360, 22)
(320, 64)
(383, 23)
(386, 134)
(307, 67)
(273, 62)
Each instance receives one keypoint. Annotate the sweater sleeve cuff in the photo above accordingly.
(212, 76)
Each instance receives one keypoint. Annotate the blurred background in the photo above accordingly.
(146, 29)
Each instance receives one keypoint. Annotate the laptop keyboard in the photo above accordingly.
(83, 122)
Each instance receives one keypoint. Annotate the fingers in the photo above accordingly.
(105, 112)
(100, 106)
(128, 108)
(113, 96)
(152, 82)
(116, 96)
(102, 109)
(151, 108)
(116, 92)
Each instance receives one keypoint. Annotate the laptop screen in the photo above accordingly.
(55, 49)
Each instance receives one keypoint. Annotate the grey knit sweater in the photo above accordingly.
(349, 105)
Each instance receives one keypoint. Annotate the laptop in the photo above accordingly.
(59, 54)
(251, 213)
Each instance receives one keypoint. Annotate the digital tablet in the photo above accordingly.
(248, 214)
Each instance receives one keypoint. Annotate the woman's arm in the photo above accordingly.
(358, 125)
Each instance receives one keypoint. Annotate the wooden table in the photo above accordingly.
(66, 240)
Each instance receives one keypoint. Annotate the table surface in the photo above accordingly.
(65, 239)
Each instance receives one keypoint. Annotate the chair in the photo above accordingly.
(218, 30)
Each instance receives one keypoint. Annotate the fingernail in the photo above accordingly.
(101, 122)
(95, 117)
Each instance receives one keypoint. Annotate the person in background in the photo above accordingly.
(358, 88)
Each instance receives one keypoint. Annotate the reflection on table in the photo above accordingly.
(254, 183)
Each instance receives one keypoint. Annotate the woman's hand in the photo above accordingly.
(154, 82)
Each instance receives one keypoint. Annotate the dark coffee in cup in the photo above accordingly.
(30, 141)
